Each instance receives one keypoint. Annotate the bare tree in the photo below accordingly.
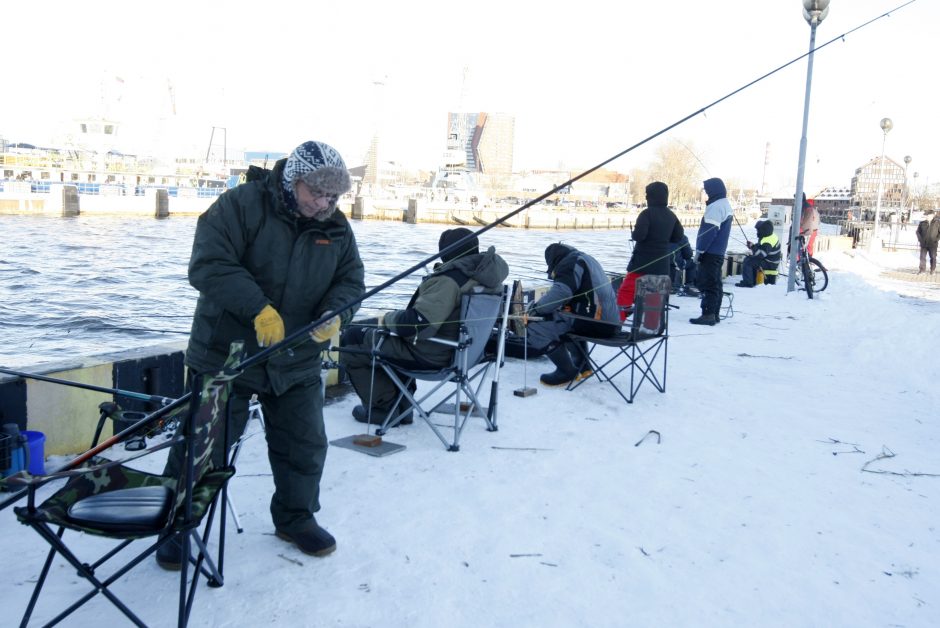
(638, 180)
(677, 166)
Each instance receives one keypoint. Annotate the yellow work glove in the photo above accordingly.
(325, 331)
(269, 327)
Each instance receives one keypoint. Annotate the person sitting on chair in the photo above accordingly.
(580, 300)
(764, 255)
(683, 267)
(434, 311)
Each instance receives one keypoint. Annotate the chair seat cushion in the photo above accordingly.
(140, 509)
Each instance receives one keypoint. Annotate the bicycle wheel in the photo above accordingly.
(808, 277)
(820, 276)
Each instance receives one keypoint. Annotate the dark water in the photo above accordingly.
(84, 286)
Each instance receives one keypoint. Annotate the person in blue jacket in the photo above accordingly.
(710, 245)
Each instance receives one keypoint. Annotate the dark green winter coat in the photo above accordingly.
(250, 251)
(434, 309)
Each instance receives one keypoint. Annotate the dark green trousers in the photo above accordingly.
(297, 446)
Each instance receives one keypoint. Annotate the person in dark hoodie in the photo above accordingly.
(710, 246)
(270, 256)
(683, 268)
(765, 255)
(580, 300)
(433, 311)
(656, 229)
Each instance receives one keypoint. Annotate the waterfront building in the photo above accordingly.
(486, 140)
(866, 182)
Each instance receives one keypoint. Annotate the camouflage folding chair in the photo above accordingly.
(111, 499)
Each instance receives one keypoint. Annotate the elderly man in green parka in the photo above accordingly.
(270, 256)
(433, 312)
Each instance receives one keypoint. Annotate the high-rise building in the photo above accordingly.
(486, 139)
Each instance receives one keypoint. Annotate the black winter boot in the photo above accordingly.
(565, 370)
(579, 351)
(704, 319)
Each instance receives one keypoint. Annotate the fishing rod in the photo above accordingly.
(740, 227)
(500, 352)
(157, 399)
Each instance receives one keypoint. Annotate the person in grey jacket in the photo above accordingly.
(432, 312)
(580, 300)
(269, 257)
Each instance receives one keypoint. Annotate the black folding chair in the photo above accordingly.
(641, 343)
(479, 314)
(113, 500)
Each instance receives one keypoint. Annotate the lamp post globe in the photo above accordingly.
(815, 11)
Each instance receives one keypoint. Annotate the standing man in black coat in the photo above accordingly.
(269, 256)
(655, 230)
(928, 234)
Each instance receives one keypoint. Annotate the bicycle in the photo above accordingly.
(811, 275)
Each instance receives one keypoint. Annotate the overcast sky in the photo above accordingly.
(585, 80)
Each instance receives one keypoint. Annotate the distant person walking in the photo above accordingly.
(656, 228)
(710, 245)
(928, 234)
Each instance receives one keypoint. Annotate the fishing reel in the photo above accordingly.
(124, 419)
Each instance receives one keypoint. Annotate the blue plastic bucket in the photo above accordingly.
(36, 442)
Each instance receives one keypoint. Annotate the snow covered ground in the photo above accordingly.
(796, 484)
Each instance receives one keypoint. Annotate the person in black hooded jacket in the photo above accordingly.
(655, 230)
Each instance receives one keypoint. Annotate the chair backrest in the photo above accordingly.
(651, 306)
(478, 313)
(206, 426)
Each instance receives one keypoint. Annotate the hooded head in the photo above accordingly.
(764, 228)
(715, 189)
(470, 246)
(554, 253)
(657, 194)
(322, 171)
(808, 202)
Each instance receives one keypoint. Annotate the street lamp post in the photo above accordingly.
(814, 12)
(886, 125)
(907, 188)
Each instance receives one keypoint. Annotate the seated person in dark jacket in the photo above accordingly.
(764, 255)
(580, 300)
(683, 266)
(434, 311)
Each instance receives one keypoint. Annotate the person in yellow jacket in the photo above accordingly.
(764, 255)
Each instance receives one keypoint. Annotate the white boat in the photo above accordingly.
(87, 160)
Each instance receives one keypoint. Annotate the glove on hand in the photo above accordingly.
(698, 257)
(325, 331)
(269, 327)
